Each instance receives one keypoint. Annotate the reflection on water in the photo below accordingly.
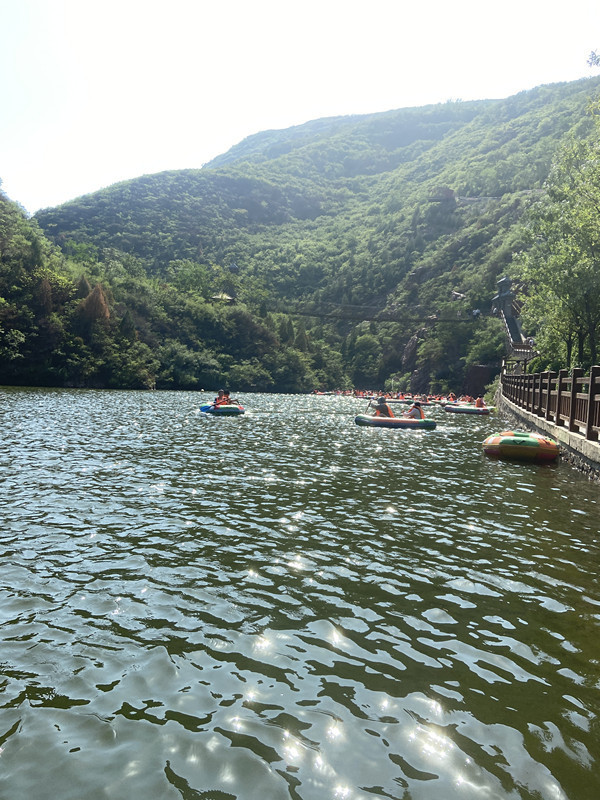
(285, 605)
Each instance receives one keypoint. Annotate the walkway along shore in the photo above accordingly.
(562, 405)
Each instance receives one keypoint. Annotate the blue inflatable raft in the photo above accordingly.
(223, 410)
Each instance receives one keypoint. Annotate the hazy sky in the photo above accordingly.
(97, 92)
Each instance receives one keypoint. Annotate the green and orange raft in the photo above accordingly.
(521, 446)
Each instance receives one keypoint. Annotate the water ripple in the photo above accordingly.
(190, 606)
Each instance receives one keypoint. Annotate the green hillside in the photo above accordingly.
(357, 250)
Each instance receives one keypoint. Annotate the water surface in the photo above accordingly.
(286, 605)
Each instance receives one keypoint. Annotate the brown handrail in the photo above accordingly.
(562, 399)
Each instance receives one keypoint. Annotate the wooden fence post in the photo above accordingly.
(537, 405)
(590, 433)
(576, 373)
(543, 399)
(562, 374)
(551, 377)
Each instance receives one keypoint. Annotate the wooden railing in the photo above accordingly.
(569, 400)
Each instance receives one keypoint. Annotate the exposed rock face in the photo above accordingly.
(419, 381)
(409, 356)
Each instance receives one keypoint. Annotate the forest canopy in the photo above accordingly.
(353, 251)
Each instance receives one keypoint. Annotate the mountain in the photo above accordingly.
(374, 239)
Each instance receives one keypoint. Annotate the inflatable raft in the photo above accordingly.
(521, 446)
(466, 408)
(395, 422)
(223, 410)
(405, 401)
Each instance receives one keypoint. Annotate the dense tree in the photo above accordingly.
(562, 267)
(366, 361)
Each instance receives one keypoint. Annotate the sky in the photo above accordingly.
(93, 93)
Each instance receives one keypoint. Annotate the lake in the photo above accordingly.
(287, 605)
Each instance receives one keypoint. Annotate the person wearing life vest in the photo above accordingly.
(221, 399)
(480, 402)
(382, 409)
(228, 401)
(415, 411)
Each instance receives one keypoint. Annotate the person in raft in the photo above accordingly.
(415, 411)
(228, 401)
(221, 399)
(480, 402)
(382, 409)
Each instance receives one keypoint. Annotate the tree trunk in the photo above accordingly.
(592, 343)
(569, 352)
(580, 346)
